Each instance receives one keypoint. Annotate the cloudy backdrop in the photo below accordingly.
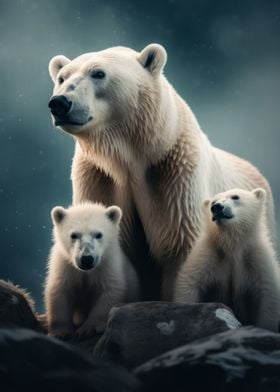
(224, 59)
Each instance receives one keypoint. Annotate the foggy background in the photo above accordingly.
(223, 58)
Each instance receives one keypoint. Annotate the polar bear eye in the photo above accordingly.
(75, 236)
(60, 80)
(235, 197)
(98, 235)
(98, 74)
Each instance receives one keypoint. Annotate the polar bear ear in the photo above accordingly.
(55, 65)
(153, 58)
(58, 214)
(260, 193)
(114, 213)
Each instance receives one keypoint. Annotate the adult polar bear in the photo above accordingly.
(140, 146)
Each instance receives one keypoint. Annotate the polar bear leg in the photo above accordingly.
(269, 311)
(60, 312)
(170, 272)
(97, 318)
(89, 183)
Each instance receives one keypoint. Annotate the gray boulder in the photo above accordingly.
(140, 331)
(30, 361)
(247, 359)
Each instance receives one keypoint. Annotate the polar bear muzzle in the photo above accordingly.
(86, 262)
(65, 112)
(59, 105)
(220, 211)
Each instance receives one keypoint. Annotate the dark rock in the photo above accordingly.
(140, 331)
(17, 308)
(247, 359)
(86, 343)
(30, 361)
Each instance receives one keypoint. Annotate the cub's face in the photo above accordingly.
(85, 232)
(96, 90)
(236, 207)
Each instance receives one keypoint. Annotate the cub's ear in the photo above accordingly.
(153, 58)
(55, 65)
(58, 214)
(206, 203)
(114, 213)
(260, 193)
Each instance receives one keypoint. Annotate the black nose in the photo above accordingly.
(216, 208)
(86, 262)
(59, 105)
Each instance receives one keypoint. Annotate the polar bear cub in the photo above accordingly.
(233, 260)
(87, 272)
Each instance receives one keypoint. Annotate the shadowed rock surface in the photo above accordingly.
(140, 331)
(86, 343)
(175, 347)
(17, 308)
(246, 359)
(30, 361)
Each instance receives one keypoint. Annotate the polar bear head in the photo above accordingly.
(96, 92)
(86, 232)
(236, 209)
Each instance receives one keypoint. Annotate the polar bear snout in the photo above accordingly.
(221, 211)
(59, 105)
(217, 208)
(217, 211)
(87, 262)
(68, 113)
(87, 258)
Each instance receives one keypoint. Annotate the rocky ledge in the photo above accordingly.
(139, 331)
(247, 359)
(147, 346)
(30, 361)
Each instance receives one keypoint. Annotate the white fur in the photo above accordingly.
(234, 256)
(141, 147)
(84, 297)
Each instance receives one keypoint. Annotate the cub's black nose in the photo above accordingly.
(86, 262)
(59, 105)
(217, 208)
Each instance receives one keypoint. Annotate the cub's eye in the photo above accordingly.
(60, 80)
(75, 236)
(98, 74)
(235, 197)
(98, 235)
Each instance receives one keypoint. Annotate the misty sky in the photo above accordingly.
(223, 58)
